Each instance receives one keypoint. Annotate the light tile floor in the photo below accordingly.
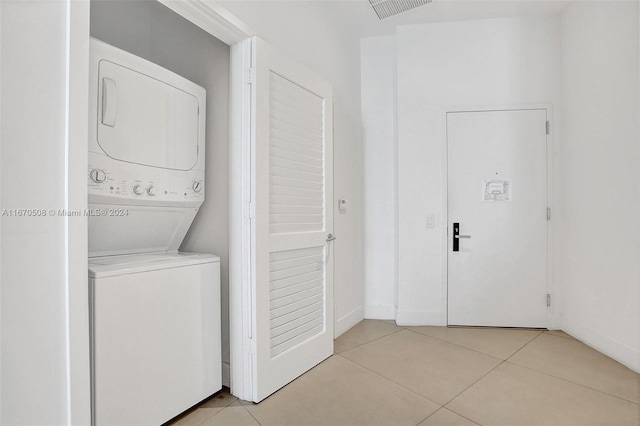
(383, 374)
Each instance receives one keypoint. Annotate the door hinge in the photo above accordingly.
(250, 76)
(249, 210)
(251, 343)
(548, 127)
(548, 300)
(548, 213)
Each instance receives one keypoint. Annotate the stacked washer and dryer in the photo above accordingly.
(155, 312)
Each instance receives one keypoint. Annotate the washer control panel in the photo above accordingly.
(107, 177)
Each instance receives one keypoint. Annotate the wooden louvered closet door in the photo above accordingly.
(293, 192)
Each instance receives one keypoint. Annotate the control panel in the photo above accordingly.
(126, 181)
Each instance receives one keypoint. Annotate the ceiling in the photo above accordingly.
(359, 18)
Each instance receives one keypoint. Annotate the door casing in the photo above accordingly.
(552, 321)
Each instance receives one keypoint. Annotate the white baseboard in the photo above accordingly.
(554, 322)
(420, 318)
(380, 312)
(344, 323)
(226, 374)
(621, 352)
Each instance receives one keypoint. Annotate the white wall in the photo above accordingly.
(510, 61)
(378, 88)
(585, 63)
(44, 301)
(598, 244)
(306, 32)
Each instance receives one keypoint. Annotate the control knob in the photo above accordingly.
(97, 175)
(137, 190)
(197, 186)
(151, 191)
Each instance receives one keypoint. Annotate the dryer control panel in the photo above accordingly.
(130, 183)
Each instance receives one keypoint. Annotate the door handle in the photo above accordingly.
(330, 237)
(457, 236)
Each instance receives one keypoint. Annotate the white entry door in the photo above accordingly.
(293, 193)
(498, 218)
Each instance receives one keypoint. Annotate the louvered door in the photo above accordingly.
(293, 282)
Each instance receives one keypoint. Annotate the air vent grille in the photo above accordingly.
(387, 8)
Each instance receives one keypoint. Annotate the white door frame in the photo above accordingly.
(213, 18)
(552, 320)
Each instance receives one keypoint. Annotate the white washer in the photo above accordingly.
(155, 313)
(155, 335)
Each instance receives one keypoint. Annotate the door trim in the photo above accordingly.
(552, 319)
(213, 18)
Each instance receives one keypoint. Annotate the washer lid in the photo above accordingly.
(143, 229)
(110, 266)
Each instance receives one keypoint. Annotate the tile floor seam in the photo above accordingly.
(562, 378)
(572, 382)
(468, 387)
(425, 419)
(429, 416)
(392, 381)
(524, 346)
(573, 339)
(463, 416)
(251, 414)
(445, 408)
(371, 341)
(502, 361)
(455, 344)
(210, 417)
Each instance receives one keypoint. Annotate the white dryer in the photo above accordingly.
(146, 154)
(155, 312)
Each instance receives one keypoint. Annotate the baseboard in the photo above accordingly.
(619, 351)
(380, 312)
(226, 374)
(554, 322)
(344, 323)
(419, 318)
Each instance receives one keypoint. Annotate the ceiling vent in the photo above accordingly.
(387, 8)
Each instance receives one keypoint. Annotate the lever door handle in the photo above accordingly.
(330, 237)
(456, 237)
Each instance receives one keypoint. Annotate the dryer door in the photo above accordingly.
(145, 121)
